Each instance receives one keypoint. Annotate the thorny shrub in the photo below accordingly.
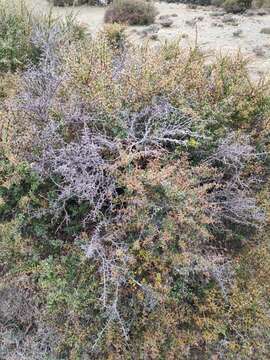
(131, 187)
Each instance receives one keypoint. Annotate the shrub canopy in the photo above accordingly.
(134, 202)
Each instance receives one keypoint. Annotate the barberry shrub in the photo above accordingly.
(134, 190)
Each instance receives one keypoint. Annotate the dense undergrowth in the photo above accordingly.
(134, 200)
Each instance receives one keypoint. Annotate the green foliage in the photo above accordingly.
(157, 273)
(19, 27)
(15, 31)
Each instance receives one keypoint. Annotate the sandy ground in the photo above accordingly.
(211, 32)
(89, 15)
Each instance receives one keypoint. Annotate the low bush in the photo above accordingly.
(115, 35)
(236, 6)
(131, 12)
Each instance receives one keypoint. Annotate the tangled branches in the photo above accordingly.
(232, 195)
(150, 208)
(159, 125)
(84, 172)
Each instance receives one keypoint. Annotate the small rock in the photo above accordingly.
(199, 18)
(192, 6)
(174, 15)
(184, 36)
(217, 13)
(217, 25)
(265, 30)
(259, 51)
(154, 36)
(237, 33)
(150, 30)
(166, 22)
(261, 12)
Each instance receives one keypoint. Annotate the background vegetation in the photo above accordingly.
(131, 12)
(134, 198)
(142, 12)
